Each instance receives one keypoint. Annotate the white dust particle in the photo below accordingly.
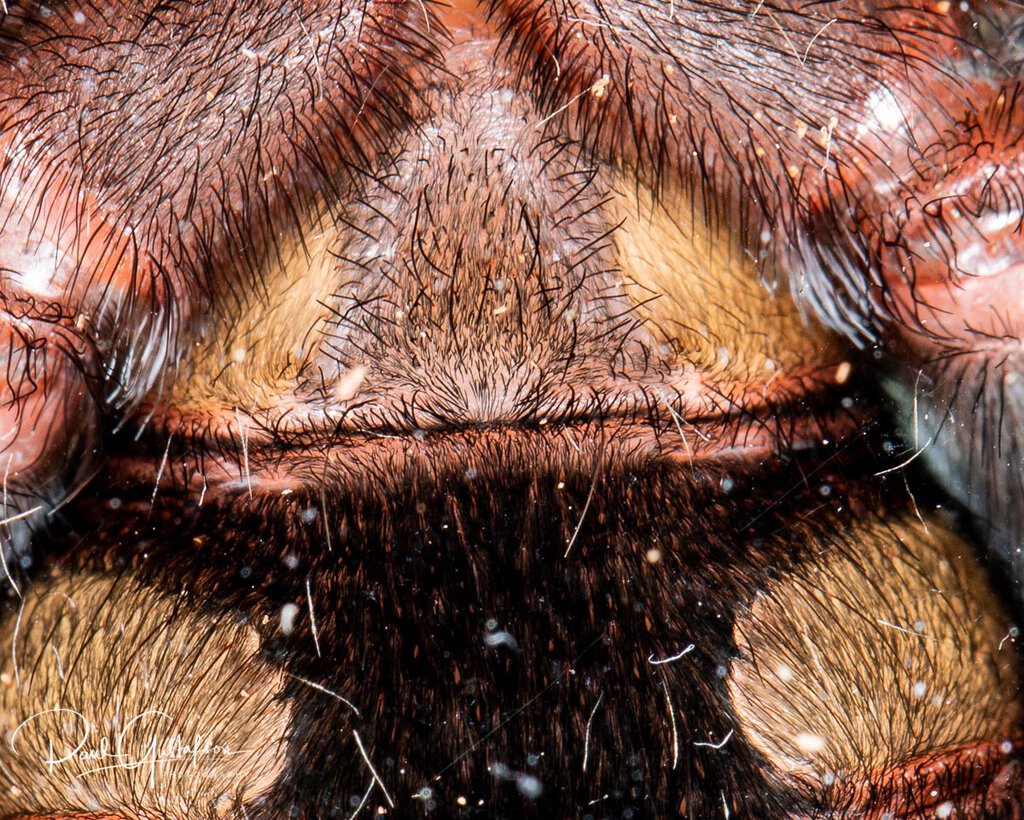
(348, 385)
(288, 613)
(529, 786)
(810, 743)
(501, 638)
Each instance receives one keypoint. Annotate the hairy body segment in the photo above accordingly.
(538, 408)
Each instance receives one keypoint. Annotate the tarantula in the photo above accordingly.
(505, 408)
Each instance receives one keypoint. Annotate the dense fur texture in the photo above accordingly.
(442, 365)
(445, 624)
